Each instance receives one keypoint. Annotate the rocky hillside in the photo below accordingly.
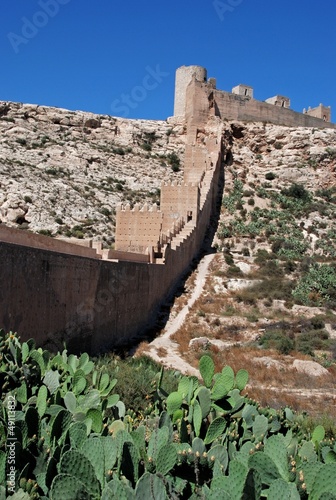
(269, 301)
(300, 155)
(63, 172)
(270, 298)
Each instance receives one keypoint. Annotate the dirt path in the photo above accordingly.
(172, 358)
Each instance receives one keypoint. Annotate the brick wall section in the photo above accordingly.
(321, 111)
(178, 201)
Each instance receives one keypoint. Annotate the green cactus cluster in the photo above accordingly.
(206, 440)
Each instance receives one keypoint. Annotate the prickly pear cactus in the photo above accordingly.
(150, 487)
(207, 370)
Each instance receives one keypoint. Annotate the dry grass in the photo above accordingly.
(162, 352)
(142, 348)
(279, 388)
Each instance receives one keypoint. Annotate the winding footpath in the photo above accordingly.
(172, 357)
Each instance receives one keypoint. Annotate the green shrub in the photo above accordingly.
(278, 145)
(45, 232)
(278, 340)
(22, 141)
(119, 151)
(105, 211)
(317, 286)
(298, 192)
(51, 171)
(270, 176)
(146, 146)
(174, 161)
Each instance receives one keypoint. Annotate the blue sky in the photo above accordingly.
(91, 54)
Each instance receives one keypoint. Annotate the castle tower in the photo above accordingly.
(184, 75)
(243, 90)
(322, 112)
(279, 100)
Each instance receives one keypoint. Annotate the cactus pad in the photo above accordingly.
(166, 459)
(281, 490)
(68, 487)
(207, 369)
(174, 402)
(76, 464)
(150, 487)
(324, 482)
(216, 428)
(241, 379)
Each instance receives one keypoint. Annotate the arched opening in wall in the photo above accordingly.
(325, 118)
(283, 104)
(246, 91)
(189, 215)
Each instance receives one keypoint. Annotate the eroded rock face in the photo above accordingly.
(61, 170)
(301, 155)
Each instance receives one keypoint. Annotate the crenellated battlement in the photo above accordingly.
(195, 96)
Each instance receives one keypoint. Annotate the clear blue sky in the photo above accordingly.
(89, 54)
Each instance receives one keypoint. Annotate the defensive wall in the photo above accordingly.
(95, 299)
(194, 92)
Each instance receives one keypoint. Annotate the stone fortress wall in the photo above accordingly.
(192, 83)
(96, 299)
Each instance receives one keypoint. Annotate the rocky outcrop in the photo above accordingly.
(63, 172)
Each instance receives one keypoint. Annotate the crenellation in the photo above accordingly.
(202, 100)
